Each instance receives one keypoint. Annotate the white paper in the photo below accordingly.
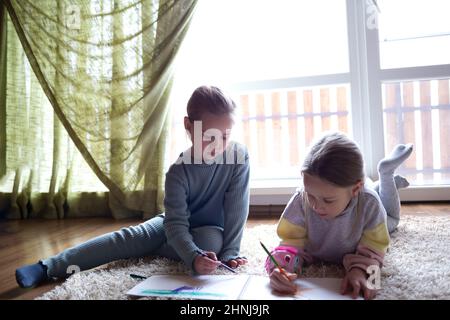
(258, 288)
(235, 287)
(208, 287)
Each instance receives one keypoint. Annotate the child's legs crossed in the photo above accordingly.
(131, 242)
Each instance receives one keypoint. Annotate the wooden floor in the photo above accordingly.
(27, 241)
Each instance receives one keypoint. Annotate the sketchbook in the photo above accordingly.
(234, 287)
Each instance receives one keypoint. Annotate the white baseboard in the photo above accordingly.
(425, 193)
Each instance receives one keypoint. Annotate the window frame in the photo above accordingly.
(365, 77)
(372, 76)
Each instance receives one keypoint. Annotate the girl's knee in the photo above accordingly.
(208, 238)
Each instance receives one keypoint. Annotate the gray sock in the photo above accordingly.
(391, 162)
(387, 184)
(400, 183)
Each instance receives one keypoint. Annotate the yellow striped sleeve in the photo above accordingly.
(376, 238)
(291, 234)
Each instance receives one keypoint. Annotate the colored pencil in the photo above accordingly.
(221, 263)
(273, 260)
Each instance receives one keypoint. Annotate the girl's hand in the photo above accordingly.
(234, 263)
(206, 265)
(355, 281)
(281, 283)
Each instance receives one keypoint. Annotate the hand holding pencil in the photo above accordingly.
(207, 262)
(280, 279)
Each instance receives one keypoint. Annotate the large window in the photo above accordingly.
(234, 41)
(377, 70)
(416, 108)
(283, 78)
(414, 33)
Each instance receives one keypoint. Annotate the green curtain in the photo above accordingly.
(97, 101)
(2, 90)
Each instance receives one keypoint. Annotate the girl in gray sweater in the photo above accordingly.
(206, 204)
(335, 218)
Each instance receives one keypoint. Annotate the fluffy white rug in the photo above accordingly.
(417, 265)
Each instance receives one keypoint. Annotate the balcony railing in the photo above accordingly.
(418, 112)
(278, 125)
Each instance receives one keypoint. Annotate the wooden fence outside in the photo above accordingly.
(278, 125)
(418, 112)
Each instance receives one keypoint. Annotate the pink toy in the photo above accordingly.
(287, 257)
